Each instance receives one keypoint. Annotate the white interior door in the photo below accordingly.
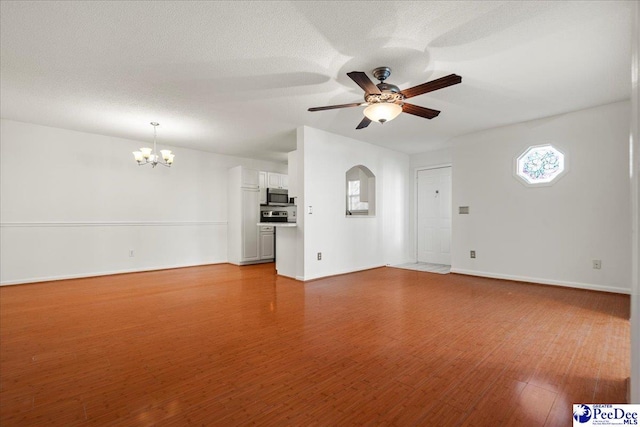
(434, 215)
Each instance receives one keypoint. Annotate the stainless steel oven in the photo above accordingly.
(274, 216)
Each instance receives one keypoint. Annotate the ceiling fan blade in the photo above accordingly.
(427, 113)
(364, 82)
(364, 123)
(442, 82)
(333, 107)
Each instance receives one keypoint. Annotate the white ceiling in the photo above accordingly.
(237, 77)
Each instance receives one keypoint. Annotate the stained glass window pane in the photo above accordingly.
(540, 165)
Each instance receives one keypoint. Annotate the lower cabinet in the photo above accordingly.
(267, 242)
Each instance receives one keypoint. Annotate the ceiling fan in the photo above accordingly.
(385, 101)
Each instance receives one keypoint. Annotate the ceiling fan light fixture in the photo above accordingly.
(382, 112)
(385, 101)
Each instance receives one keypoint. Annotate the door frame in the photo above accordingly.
(415, 201)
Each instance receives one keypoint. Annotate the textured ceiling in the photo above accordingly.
(237, 77)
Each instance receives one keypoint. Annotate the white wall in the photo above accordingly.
(350, 243)
(73, 204)
(635, 212)
(433, 158)
(547, 234)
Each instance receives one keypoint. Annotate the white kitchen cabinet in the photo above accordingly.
(267, 245)
(262, 184)
(250, 178)
(277, 180)
(250, 218)
(243, 215)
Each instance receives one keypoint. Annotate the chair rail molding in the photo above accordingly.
(110, 223)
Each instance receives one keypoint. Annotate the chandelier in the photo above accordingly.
(147, 156)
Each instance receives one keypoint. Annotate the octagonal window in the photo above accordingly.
(540, 164)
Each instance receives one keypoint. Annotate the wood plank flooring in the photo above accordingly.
(223, 345)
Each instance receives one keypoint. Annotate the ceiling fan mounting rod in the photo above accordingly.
(382, 73)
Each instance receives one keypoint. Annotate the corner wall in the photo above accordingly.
(73, 204)
(547, 234)
(634, 148)
(350, 243)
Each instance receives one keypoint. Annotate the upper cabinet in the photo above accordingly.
(277, 180)
(271, 180)
(262, 180)
(250, 178)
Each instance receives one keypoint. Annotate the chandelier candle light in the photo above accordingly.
(147, 156)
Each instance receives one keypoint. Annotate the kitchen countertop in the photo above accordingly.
(278, 224)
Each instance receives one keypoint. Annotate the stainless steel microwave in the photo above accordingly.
(277, 197)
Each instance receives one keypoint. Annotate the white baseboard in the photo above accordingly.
(102, 273)
(538, 280)
(260, 261)
(306, 279)
(340, 272)
(289, 277)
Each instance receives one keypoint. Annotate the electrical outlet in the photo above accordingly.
(319, 256)
(597, 264)
(473, 254)
(131, 252)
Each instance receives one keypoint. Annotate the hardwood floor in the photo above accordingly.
(226, 345)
